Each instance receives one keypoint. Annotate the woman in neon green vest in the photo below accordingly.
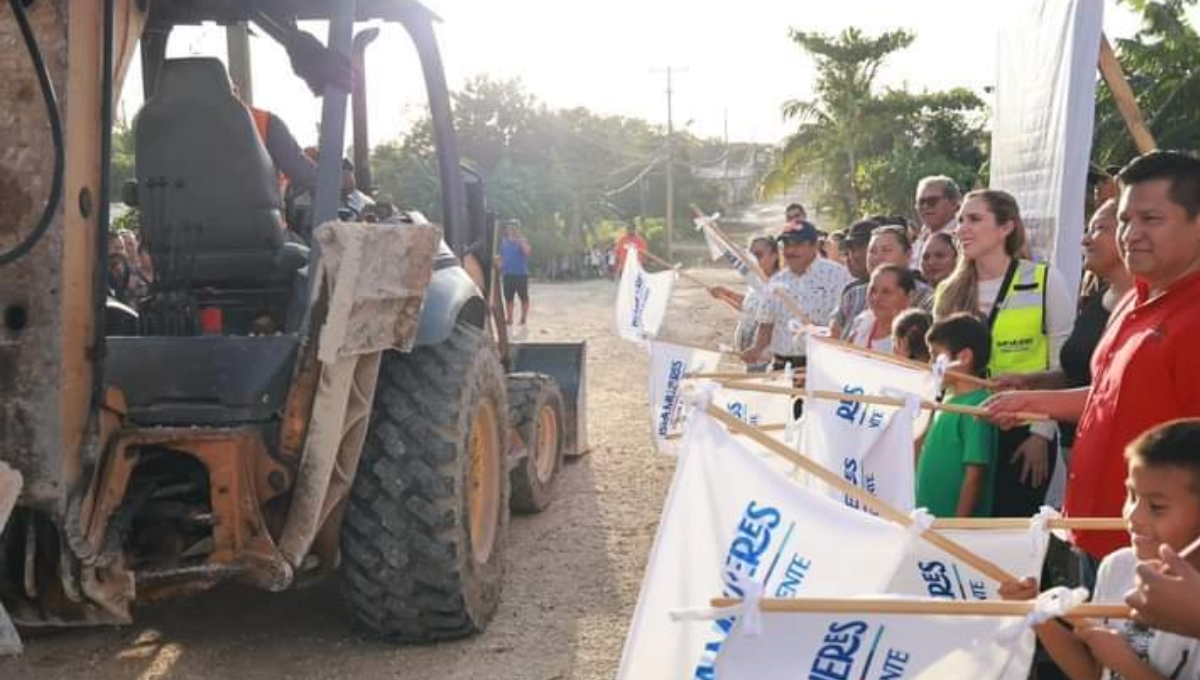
(1028, 308)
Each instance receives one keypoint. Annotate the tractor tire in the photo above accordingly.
(536, 408)
(425, 528)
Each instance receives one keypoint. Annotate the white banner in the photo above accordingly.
(1044, 113)
(878, 647)
(730, 520)
(669, 363)
(642, 300)
(737, 257)
(927, 571)
(870, 446)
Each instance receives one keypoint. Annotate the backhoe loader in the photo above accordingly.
(284, 404)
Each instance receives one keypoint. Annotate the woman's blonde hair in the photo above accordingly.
(960, 291)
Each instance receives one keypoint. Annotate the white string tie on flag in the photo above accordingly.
(1039, 524)
(922, 521)
(799, 329)
(1051, 604)
(699, 396)
(748, 611)
(941, 365)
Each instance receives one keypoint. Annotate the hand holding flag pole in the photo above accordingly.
(719, 242)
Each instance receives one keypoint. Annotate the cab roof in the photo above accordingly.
(177, 12)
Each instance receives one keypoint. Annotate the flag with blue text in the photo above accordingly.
(869, 445)
(731, 520)
(642, 300)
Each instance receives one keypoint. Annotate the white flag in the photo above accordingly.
(927, 571)
(730, 520)
(720, 249)
(669, 363)
(641, 300)
(879, 647)
(755, 408)
(870, 446)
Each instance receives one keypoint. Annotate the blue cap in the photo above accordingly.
(799, 232)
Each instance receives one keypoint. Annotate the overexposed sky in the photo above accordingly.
(736, 60)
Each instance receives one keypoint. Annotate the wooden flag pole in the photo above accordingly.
(792, 305)
(870, 399)
(735, 375)
(901, 361)
(998, 523)
(676, 268)
(922, 607)
(866, 500)
(1114, 76)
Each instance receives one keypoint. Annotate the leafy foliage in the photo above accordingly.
(866, 147)
(1160, 64)
(571, 176)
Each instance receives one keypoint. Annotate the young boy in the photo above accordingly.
(1162, 507)
(954, 471)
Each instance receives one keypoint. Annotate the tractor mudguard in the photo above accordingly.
(450, 294)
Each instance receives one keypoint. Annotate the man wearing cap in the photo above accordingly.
(813, 283)
(938, 199)
(853, 299)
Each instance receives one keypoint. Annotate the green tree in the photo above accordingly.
(1160, 62)
(868, 148)
(563, 172)
(121, 161)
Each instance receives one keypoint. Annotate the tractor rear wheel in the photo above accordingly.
(425, 528)
(538, 416)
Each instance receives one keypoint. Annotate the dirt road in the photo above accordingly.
(573, 575)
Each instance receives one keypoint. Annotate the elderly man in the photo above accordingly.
(1146, 369)
(813, 283)
(938, 200)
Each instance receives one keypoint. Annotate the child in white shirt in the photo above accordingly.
(1162, 507)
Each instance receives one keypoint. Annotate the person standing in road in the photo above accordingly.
(514, 264)
(1029, 312)
(1145, 370)
(814, 284)
(631, 238)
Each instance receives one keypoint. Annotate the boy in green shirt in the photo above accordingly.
(954, 471)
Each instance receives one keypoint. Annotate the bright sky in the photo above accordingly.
(735, 59)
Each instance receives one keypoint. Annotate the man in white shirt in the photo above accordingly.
(815, 284)
(938, 200)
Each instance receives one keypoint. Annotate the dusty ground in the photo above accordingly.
(573, 576)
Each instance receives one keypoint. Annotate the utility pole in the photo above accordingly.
(669, 220)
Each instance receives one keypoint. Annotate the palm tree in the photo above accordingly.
(840, 127)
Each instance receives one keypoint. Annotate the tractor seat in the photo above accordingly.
(210, 209)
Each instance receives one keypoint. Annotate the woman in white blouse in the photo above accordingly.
(889, 293)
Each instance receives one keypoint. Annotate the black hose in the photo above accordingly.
(56, 135)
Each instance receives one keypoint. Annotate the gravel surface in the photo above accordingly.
(573, 573)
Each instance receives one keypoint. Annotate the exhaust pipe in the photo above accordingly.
(358, 104)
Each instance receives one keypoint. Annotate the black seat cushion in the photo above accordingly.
(208, 193)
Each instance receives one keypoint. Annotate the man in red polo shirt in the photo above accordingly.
(1146, 369)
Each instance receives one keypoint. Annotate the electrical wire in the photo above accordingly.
(56, 135)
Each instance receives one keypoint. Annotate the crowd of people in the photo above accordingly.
(1116, 375)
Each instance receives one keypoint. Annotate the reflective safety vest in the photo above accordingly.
(262, 123)
(1020, 343)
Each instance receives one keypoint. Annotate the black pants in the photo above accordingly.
(516, 285)
(1011, 497)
